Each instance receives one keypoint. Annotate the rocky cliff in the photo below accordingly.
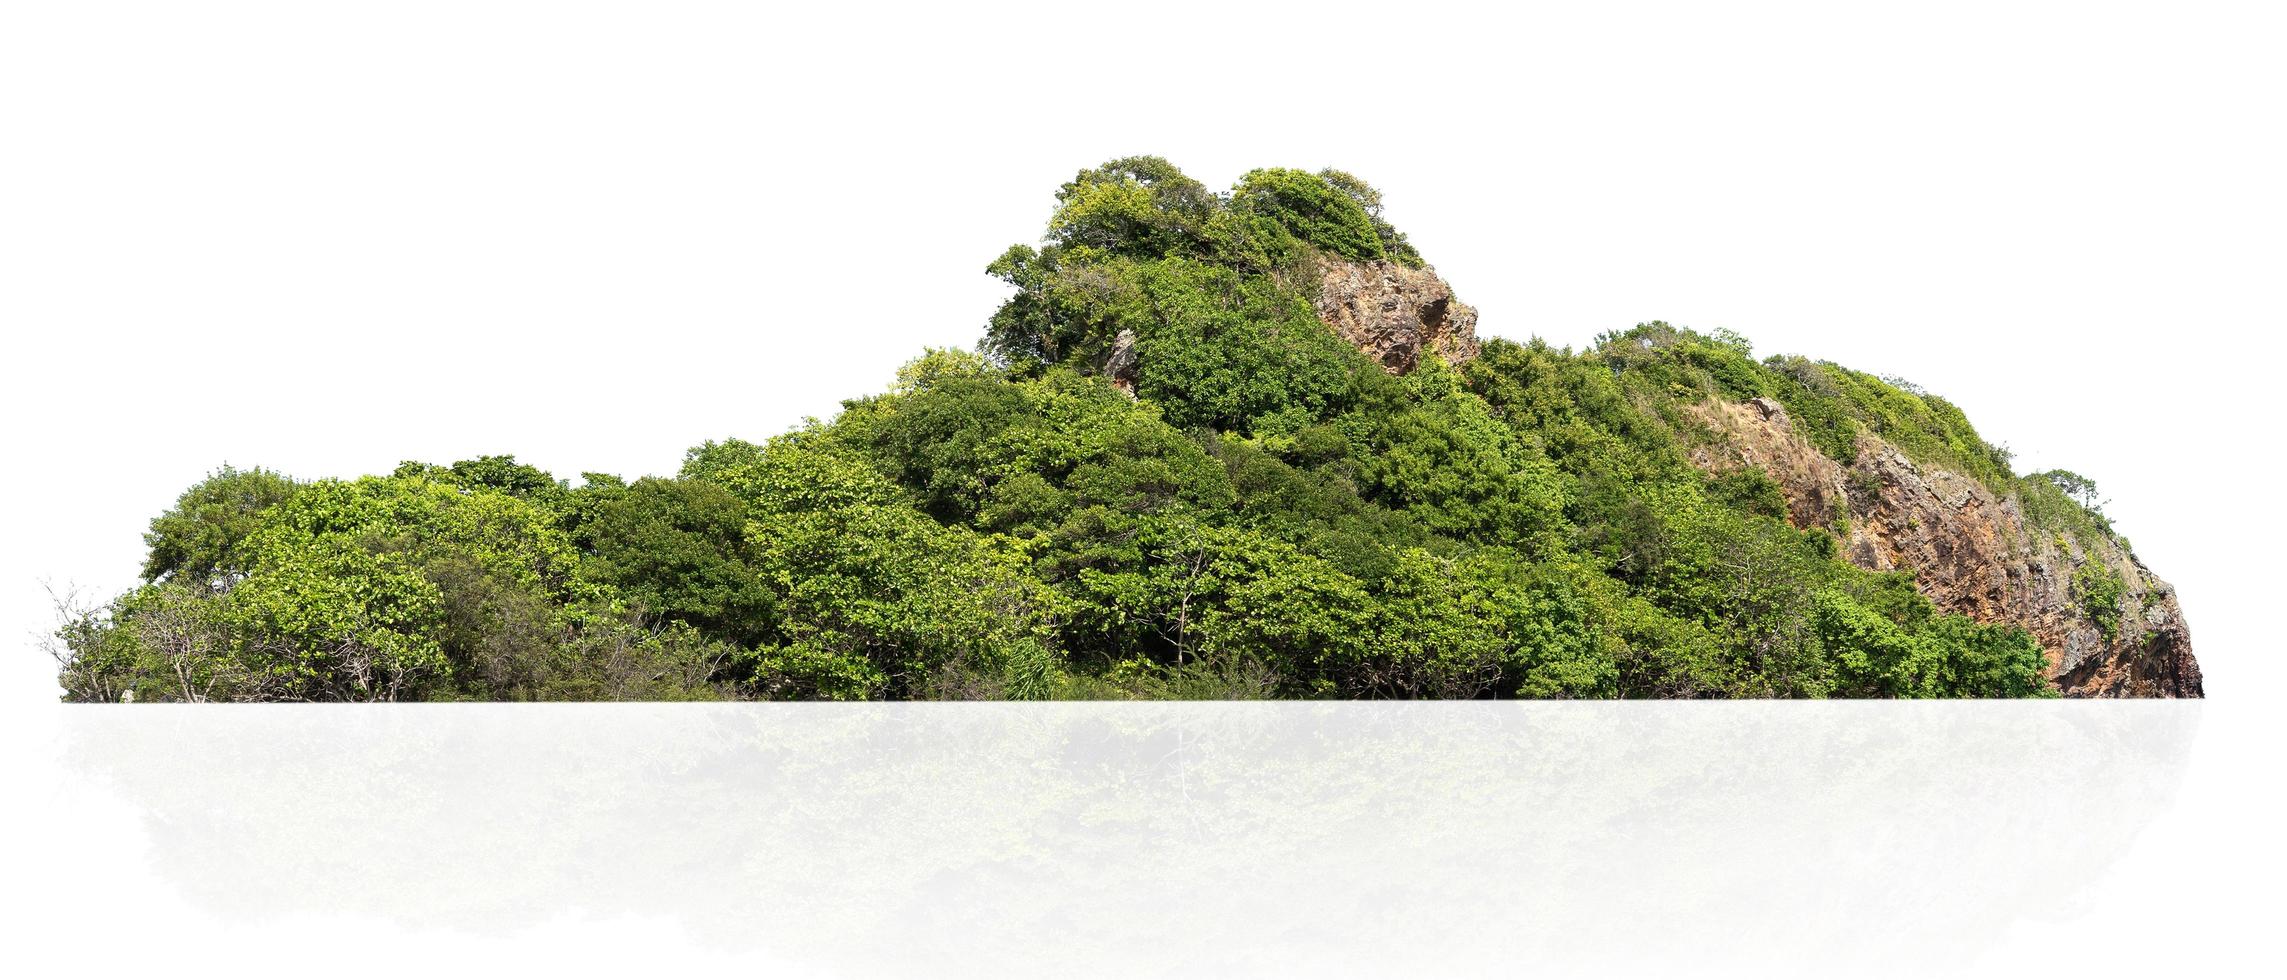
(2109, 626)
(1396, 313)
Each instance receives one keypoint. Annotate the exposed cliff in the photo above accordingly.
(2109, 626)
(1396, 313)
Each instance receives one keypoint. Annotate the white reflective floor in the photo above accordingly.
(1157, 839)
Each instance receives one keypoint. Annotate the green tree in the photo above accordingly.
(1369, 200)
(1451, 462)
(1236, 353)
(1141, 206)
(678, 549)
(199, 539)
(1313, 210)
(874, 598)
(389, 588)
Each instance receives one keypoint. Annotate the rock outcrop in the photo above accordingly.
(1396, 313)
(1120, 365)
(1972, 552)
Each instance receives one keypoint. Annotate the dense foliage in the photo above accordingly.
(1270, 514)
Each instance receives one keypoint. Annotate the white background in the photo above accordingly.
(327, 238)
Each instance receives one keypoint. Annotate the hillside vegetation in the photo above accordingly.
(1255, 509)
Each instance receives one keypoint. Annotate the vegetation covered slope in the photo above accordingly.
(1161, 475)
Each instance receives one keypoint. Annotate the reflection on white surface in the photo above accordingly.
(1175, 839)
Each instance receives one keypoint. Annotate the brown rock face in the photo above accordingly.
(1972, 552)
(1395, 313)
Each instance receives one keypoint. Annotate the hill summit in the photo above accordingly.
(1222, 444)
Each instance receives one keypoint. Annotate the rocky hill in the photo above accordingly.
(1214, 444)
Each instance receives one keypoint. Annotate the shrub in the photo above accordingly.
(2099, 590)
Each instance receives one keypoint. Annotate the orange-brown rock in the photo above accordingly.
(1395, 313)
(1971, 551)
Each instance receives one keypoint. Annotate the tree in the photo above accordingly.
(1369, 200)
(381, 588)
(1237, 353)
(2081, 489)
(198, 541)
(679, 550)
(873, 597)
(1140, 206)
(1313, 210)
(1451, 462)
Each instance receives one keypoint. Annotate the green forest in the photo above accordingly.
(1264, 511)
